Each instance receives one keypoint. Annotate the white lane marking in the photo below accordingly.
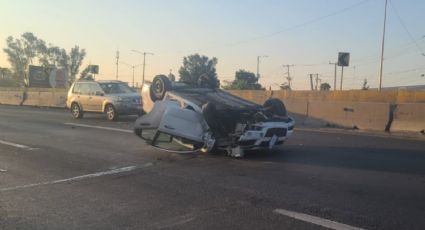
(316, 220)
(173, 222)
(77, 178)
(100, 127)
(16, 145)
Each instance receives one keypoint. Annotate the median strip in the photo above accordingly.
(77, 178)
(99, 127)
(316, 220)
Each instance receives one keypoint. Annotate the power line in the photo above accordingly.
(406, 29)
(306, 23)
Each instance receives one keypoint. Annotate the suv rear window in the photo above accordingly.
(114, 88)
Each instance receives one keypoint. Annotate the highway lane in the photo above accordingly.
(74, 177)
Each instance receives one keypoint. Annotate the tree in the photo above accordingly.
(20, 53)
(76, 57)
(86, 74)
(27, 49)
(6, 79)
(198, 69)
(245, 80)
(325, 87)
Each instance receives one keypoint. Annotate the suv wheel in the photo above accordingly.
(275, 106)
(111, 112)
(76, 111)
(160, 85)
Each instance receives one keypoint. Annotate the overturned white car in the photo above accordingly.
(184, 118)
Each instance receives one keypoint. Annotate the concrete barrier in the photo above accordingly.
(361, 115)
(32, 99)
(409, 117)
(11, 97)
(46, 98)
(314, 108)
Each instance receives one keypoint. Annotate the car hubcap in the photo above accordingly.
(159, 88)
(110, 113)
(75, 111)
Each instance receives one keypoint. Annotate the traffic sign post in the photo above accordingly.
(343, 60)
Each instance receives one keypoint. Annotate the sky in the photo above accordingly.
(305, 33)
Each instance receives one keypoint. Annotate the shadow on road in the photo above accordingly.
(378, 159)
(101, 117)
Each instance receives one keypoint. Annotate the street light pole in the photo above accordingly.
(258, 65)
(382, 48)
(144, 63)
(133, 67)
(118, 58)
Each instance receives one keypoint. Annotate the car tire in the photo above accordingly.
(160, 85)
(76, 111)
(111, 112)
(276, 107)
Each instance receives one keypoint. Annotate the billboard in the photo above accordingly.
(37, 77)
(40, 77)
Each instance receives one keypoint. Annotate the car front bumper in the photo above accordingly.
(129, 109)
(271, 134)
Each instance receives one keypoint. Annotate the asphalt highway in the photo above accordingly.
(61, 173)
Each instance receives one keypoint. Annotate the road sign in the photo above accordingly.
(343, 59)
(94, 69)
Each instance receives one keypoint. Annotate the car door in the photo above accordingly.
(83, 97)
(172, 128)
(96, 97)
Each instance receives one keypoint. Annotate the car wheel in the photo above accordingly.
(76, 111)
(160, 85)
(111, 112)
(275, 106)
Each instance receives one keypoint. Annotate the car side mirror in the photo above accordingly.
(98, 93)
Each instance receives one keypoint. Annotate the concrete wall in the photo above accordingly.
(370, 110)
(409, 117)
(33, 97)
(11, 97)
(46, 99)
(349, 95)
(359, 115)
(351, 109)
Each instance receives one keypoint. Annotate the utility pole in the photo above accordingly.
(382, 48)
(144, 63)
(317, 81)
(335, 64)
(311, 82)
(289, 75)
(342, 76)
(258, 65)
(118, 58)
